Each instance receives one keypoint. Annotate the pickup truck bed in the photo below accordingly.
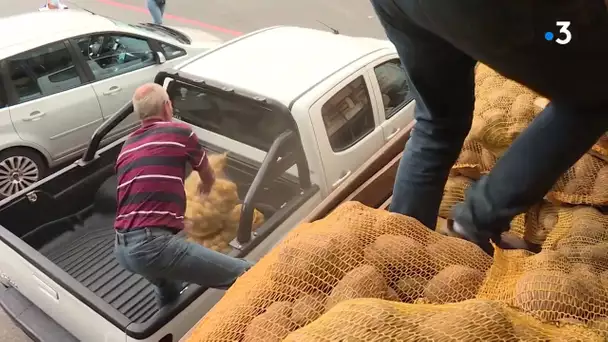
(73, 228)
(85, 251)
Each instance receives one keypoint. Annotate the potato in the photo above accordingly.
(409, 289)
(455, 251)
(541, 103)
(392, 295)
(482, 72)
(354, 320)
(453, 193)
(578, 186)
(595, 256)
(473, 321)
(273, 325)
(515, 88)
(396, 256)
(315, 261)
(453, 284)
(600, 187)
(522, 108)
(586, 168)
(489, 84)
(218, 163)
(547, 260)
(488, 160)
(500, 98)
(551, 295)
(600, 325)
(468, 157)
(587, 228)
(362, 282)
(308, 308)
(546, 220)
(481, 105)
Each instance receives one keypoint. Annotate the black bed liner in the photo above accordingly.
(87, 254)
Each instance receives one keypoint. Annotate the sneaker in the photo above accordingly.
(506, 240)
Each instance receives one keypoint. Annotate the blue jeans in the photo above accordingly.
(168, 260)
(439, 43)
(156, 11)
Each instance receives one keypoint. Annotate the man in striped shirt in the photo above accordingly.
(151, 202)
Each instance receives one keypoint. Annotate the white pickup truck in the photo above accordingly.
(298, 111)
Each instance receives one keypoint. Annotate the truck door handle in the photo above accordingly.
(341, 179)
(34, 116)
(113, 90)
(395, 131)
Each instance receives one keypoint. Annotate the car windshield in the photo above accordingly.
(163, 31)
(158, 30)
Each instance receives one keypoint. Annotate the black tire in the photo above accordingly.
(20, 157)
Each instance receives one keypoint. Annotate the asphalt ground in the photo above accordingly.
(226, 19)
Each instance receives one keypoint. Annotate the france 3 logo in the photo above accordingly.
(564, 35)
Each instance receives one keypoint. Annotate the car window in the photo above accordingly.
(393, 86)
(252, 125)
(172, 51)
(348, 115)
(43, 71)
(110, 55)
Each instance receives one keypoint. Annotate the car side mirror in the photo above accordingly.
(160, 57)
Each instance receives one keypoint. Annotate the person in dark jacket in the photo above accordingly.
(439, 43)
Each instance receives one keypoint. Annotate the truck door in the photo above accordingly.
(346, 127)
(392, 91)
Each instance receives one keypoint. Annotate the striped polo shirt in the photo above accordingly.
(150, 169)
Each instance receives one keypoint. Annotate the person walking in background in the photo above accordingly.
(157, 10)
(439, 43)
(51, 5)
(151, 203)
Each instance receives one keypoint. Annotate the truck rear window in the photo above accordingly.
(255, 126)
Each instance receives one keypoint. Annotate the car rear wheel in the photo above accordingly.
(19, 168)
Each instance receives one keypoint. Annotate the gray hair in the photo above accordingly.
(149, 100)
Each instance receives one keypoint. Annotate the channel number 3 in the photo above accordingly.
(563, 29)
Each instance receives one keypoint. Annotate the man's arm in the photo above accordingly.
(199, 161)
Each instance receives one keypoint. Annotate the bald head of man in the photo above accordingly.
(151, 101)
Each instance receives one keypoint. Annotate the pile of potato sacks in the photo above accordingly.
(212, 220)
(363, 274)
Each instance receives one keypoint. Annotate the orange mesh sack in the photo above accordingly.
(566, 283)
(376, 320)
(453, 193)
(584, 183)
(212, 220)
(601, 147)
(503, 109)
(355, 252)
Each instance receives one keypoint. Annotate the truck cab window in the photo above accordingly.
(393, 86)
(348, 115)
(251, 125)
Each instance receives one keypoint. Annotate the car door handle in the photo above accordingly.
(395, 131)
(113, 90)
(341, 179)
(34, 116)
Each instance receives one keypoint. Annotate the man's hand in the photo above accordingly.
(204, 188)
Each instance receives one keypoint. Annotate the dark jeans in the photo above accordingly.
(439, 43)
(168, 260)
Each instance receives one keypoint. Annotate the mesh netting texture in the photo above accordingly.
(212, 220)
(355, 252)
(567, 282)
(503, 109)
(376, 320)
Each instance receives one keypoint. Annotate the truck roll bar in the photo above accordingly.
(280, 158)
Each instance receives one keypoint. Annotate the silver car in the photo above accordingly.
(63, 73)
